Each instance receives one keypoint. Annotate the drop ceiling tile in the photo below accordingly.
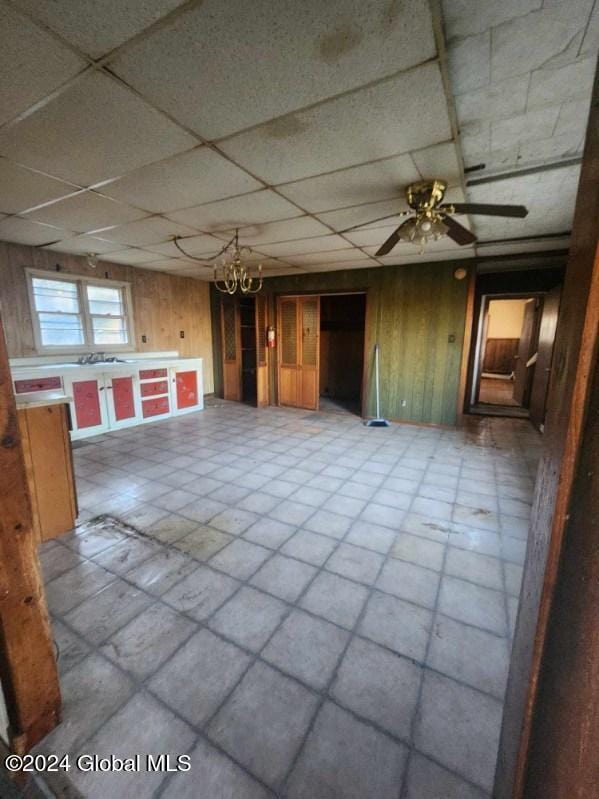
(197, 176)
(403, 257)
(364, 214)
(475, 16)
(498, 100)
(132, 256)
(561, 84)
(372, 237)
(440, 161)
(151, 230)
(83, 244)
(194, 245)
(301, 246)
(307, 52)
(23, 189)
(165, 265)
(98, 26)
(354, 186)
(32, 63)
(95, 130)
(341, 256)
(25, 231)
(469, 62)
(537, 124)
(86, 212)
(349, 130)
(365, 263)
(254, 208)
(286, 230)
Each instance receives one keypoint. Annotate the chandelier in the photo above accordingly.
(235, 274)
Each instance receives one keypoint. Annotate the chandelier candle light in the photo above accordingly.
(235, 273)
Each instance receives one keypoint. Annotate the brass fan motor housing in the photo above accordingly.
(425, 194)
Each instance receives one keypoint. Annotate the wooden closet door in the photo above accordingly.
(231, 344)
(288, 351)
(261, 352)
(308, 388)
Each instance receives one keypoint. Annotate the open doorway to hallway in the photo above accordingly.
(342, 320)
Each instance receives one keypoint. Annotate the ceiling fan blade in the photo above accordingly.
(372, 221)
(486, 209)
(458, 232)
(389, 244)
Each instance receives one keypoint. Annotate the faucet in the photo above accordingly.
(92, 357)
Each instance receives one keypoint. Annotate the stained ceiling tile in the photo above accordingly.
(469, 62)
(300, 246)
(254, 208)
(86, 212)
(308, 51)
(310, 259)
(439, 161)
(133, 256)
(98, 26)
(354, 186)
(538, 124)
(364, 214)
(23, 189)
(197, 176)
(151, 230)
(25, 231)
(195, 246)
(271, 232)
(83, 244)
(95, 130)
(349, 130)
(32, 63)
(468, 17)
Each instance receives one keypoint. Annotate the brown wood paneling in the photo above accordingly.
(540, 384)
(27, 666)
(549, 743)
(500, 354)
(163, 305)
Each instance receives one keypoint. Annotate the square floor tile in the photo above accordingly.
(218, 777)
(171, 528)
(427, 780)
(399, 625)
(263, 723)
(160, 572)
(378, 685)
(336, 599)
(258, 502)
(409, 581)
(269, 532)
(201, 592)
(233, 521)
(513, 578)
(355, 563)
(476, 517)
(371, 536)
(473, 604)
(310, 496)
(143, 726)
(173, 500)
(284, 577)
(249, 618)
(327, 523)
(94, 540)
(57, 560)
(307, 648)
(481, 569)
(196, 680)
(459, 727)
(72, 587)
(291, 512)
(394, 499)
(309, 547)
(346, 506)
(103, 614)
(421, 551)
(337, 760)
(470, 655)
(71, 648)
(279, 488)
(203, 542)
(129, 553)
(202, 510)
(240, 558)
(148, 640)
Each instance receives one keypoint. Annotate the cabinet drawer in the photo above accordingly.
(37, 384)
(154, 407)
(151, 389)
(151, 374)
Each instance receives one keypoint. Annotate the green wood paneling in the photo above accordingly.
(412, 312)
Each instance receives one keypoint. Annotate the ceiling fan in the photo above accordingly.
(430, 218)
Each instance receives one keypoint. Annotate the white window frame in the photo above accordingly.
(81, 283)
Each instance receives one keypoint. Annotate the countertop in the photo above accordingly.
(38, 399)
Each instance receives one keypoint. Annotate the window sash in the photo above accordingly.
(87, 318)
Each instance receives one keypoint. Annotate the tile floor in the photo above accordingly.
(311, 608)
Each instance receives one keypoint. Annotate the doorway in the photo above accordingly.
(245, 355)
(342, 322)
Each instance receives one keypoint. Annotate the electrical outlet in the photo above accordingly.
(181, 334)
(144, 339)
(451, 338)
(404, 403)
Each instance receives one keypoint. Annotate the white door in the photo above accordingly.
(89, 413)
(123, 399)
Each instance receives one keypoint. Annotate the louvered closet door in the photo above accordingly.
(299, 340)
(231, 344)
(261, 352)
(288, 351)
(308, 388)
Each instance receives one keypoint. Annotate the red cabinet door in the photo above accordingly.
(86, 398)
(187, 389)
(122, 398)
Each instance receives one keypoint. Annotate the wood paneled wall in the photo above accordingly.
(413, 311)
(163, 304)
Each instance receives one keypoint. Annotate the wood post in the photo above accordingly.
(27, 665)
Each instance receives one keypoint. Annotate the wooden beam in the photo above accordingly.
(27, 664)
(545, 739)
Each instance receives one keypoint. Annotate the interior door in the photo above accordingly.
(547, 328)
(525, 350)
(299, 336)
(261, 352)
(231, 344)
(122, 397)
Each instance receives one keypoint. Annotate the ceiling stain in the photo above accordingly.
(338, 43)
(286, 127)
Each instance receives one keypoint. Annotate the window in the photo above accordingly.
(78, 314)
